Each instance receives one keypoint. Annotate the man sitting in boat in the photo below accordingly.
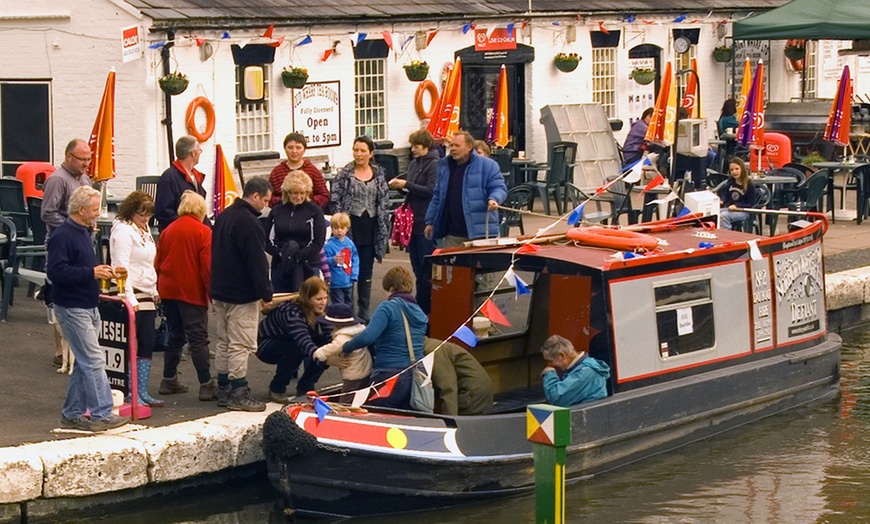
(571, 377)
(461, 383)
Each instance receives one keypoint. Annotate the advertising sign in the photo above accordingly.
(762, 305)
(114, 338)
(131, 46)
(317, 113)
(496, 40)
(800, 297)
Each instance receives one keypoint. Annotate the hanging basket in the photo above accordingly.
(566, 64)
(173, 84)
(417, 73)
(294, 78)
(723, 54)
(795, 53)
(643, 76)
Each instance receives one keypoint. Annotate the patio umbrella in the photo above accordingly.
(440, 124)
(661, 126)
(692, 96)
(497, 131)
(225, 189)
(102, 140)
(751, 130)
(744, 88)
(840, 119)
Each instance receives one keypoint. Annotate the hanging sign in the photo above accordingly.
(316, 113)
(131, 46)
(498, 39)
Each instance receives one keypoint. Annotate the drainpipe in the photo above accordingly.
(167, 98)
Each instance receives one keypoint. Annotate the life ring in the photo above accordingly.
(426, 86)
(196, 103)
(618, 239)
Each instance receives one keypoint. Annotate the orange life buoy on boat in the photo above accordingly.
(424, 87)
(196, 103)
(618, 239)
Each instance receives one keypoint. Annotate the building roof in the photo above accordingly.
(229, 14)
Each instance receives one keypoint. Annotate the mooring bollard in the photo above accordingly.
(548, 428)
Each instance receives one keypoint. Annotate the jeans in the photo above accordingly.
(145, 334)
(287, 356)
(237, 337)
(364, 284)
(88, 385)
(341, 295)
(187, 323)
(727, 217)
(418, 248)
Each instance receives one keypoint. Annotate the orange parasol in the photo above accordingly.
(751, 130)
(692, 97)
(102, 140)
(840, 119)
(661, 126)
(497, 132)
(744, 88)
(446, 119)
(225, 190)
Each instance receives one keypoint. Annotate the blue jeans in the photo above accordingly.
(341, 295)
(418, 248)
(728, 217)
(88, 385)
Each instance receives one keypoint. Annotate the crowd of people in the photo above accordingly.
(243, 262)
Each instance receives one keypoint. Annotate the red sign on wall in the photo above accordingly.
(497, 40)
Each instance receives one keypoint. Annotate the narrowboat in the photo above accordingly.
(710, 330)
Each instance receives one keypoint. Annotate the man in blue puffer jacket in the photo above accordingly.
(469, 188)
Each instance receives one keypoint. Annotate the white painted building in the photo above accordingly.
(57, 55)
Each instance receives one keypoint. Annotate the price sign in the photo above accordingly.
(115, 340)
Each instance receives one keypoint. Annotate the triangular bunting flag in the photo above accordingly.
(294, 411)
(388, 39)
(528, 248)
(493, 313)
(387, 389)
(754, 252)
(671, 196)
(268, 33)
(305, 40)
(327, 54)
(199, 41)
(431, 36)
(466, 335)
(321, 408)
(683, 212)
(360, 397)
(655, 182)
(522, 288)
(428, 363)
(635, 171)
(277, 43)
(576, 216)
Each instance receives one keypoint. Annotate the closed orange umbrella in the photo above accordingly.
(840, 119)
(225, 189)
(661, 126)
(751, 130)
(744, 88)
(692, 96)
(102, 140)
(444, 119)
(497, 132)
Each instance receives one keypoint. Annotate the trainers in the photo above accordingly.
(223, 393)
(170, 386)
(111, 422)
(280, 398)
(57, 361)
(81, 422)
(240, 399)
(208, 391)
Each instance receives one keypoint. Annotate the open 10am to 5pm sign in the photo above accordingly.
(317, 113)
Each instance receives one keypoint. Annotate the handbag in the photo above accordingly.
(403, 223)
(161, 332)
(422, 393)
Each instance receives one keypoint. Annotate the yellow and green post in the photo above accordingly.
(548, 428)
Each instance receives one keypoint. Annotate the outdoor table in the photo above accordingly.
(775, 182)
(846, 168)
(520, 167)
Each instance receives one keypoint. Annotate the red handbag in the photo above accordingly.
(403, 222)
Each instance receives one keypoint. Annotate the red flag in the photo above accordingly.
(387, 389)
(493, 313)
(268, 33)
(602, 28)
(294, 411)
(431, 36)
(528, 248)
(388, 38)
(277, 43)
(102, 140)
(655, 182)
(327, 54)
(199, 41)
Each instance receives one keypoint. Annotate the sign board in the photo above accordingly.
(762, 305)
(799, 291)
(131, 45)
(640, 97)
(754, 50)
(115, 340)
(317, 113)
(497, 39)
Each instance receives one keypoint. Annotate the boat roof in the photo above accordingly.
(556, 250)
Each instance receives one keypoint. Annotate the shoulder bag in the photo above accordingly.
(422, 396)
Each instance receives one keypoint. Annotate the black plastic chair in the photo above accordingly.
(13, 207)
(148, 184)
(575, 196)
(811, 193)
(560, 162)
(714, 180)
(503, 158)
(518, 198)
(862, 175)
(390, 163)
(12, 270)
(755, 221)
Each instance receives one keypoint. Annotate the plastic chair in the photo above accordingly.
(575, 196)
(33, 175)
(777, 151)
(862, 175)
(714, 180)
(12, 270)
(560, 159)
(811, 193)
(13, 206)
(148, 184)
(756, 221)
(517, 198)
(503, 158)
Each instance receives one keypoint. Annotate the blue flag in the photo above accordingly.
(321, 408)
(576, 215)
(465, 334)
(683, 212)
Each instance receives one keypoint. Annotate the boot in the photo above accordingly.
(223, 394)
(143, 374)
(170, 386)
(364, 296)
(208, 391)
(240, 399)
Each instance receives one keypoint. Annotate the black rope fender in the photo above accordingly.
(283, 439)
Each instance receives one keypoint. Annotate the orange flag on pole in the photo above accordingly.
(225, 189)
(102, 140)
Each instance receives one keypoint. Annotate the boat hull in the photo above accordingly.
(488, 457)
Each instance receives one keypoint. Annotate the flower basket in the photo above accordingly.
(173, 83)
(566, 62)
(294, 78)
(723, 54)
(416, 71)
(643, 76)
(795, 53)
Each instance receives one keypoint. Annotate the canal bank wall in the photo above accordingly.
(133, 463)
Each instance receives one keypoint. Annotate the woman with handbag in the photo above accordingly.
(132, 246)
(184, 278)
(395, 336)
(297, 231)
(420, 184)
(360, 190)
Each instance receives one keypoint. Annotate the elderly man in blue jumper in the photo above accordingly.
(468, 190)
(572, 377)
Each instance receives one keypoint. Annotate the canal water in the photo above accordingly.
(810, 465)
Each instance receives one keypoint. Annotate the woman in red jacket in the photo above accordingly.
(183, 266)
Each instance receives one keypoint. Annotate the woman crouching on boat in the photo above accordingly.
(386, 336)
(289, 333)
(737, 193)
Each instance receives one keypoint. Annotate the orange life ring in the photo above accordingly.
(196, 103)
(618, 239)
(424, 87)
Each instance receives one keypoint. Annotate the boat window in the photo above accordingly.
(684, 315)
(514, 307)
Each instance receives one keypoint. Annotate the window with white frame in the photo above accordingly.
(604, 79)
(371, 99)
(254, 119)
(811, 62)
